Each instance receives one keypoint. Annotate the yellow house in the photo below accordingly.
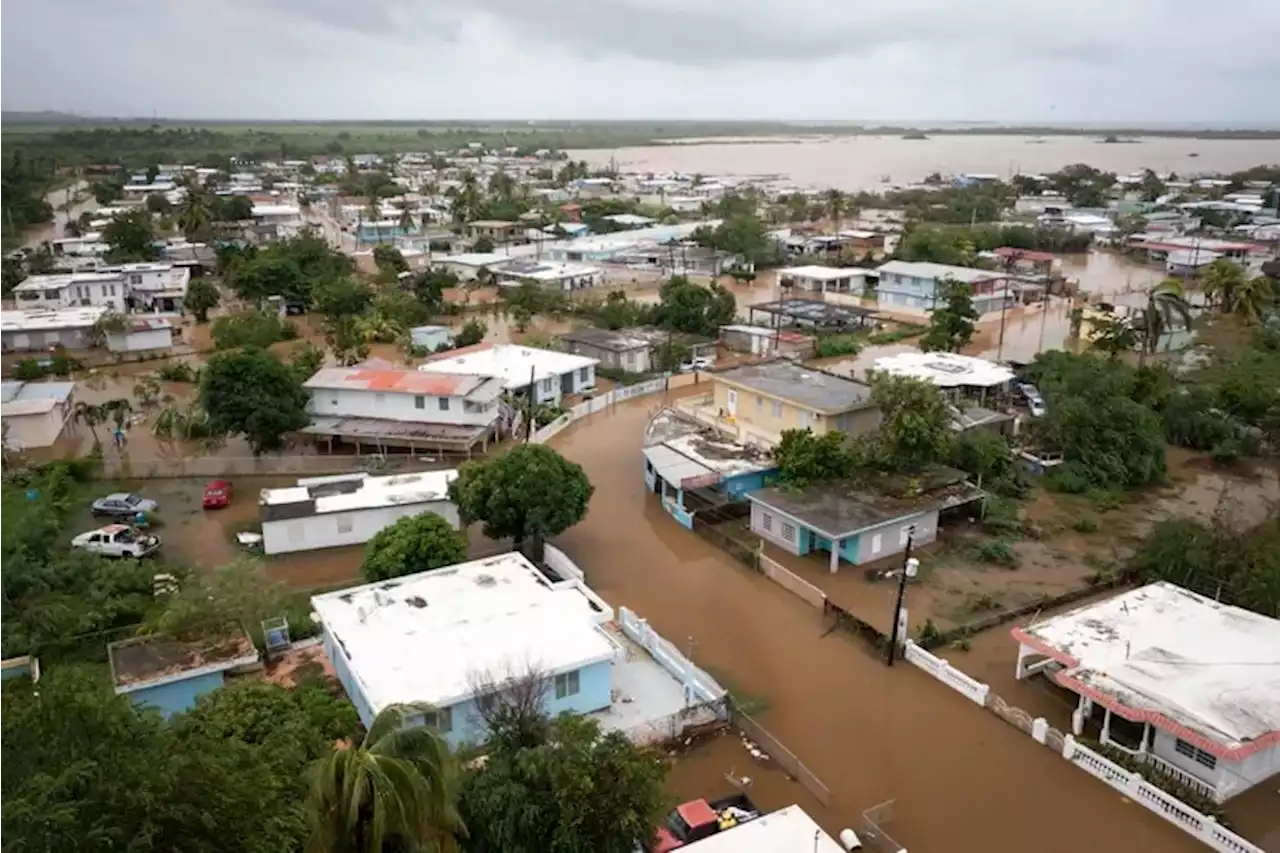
(764, 400)
(495, 229)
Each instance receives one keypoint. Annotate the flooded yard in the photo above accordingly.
(964, 781)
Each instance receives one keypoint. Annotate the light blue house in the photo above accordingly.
(918, 287)
(857, 523)
(169, 675)
(691, 466)
(447, 636)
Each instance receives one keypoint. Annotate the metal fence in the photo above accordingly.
(785, 758)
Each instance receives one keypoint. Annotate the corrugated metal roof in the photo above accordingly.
(400, 381)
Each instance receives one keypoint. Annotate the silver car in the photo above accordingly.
(123, 505)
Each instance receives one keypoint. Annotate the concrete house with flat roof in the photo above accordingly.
(544, 374)
(397, 407)
(45, 329)
(759, 402)
(445, 637)
(35, 413)
(1180, 681)
(170, 675)
(858, 522)
(918, 287)
(632, 350)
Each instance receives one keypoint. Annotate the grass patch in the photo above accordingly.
(1085, 524)
(998, 552)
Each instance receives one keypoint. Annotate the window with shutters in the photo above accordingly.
(788, 532)
(1195, 753)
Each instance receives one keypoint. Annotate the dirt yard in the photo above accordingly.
(1065, 543)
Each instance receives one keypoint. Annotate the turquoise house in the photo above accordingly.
(692, 467)
(169, 675)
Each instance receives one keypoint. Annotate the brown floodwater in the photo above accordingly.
(80, 201)
(862, 162)
(964, 781)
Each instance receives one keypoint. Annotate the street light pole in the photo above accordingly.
(908, 569)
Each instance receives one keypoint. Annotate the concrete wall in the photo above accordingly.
(334, 529)
(342, 668)
(407, 408)
(866, 546)
(738, 487)
(177, 696)
(769, 524)
(893, 537)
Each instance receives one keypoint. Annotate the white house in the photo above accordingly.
(349, 509)
(946, 370)
(551, 374)
(789, 830)
(467, 266)
(141, 334)
(41, 330)
(917, 287)
(155, 286)
(404, 408)
(1186, 683)
(555, 276)
(100, 287)
(35, 413)
(824, 279)
(443, 636)
(281, 221)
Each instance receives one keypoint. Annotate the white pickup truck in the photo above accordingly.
(117, 540)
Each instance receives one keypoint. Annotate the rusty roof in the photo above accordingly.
(404, 381)
(140, 661)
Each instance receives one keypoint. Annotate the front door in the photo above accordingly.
(733, 403)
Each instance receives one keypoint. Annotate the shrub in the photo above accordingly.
(835, 345)
(1166, 782)
(28, 369)
(177, 371)
(1001, 517)
(1085, 524)
(1105, 499)
(251, 329)
(997, 551)
(928, 635)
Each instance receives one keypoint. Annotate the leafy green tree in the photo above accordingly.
(804, 458)
(389, 258)
(527, 494)
(482, 245)
(429, 287)
(346, 340)
(915, 429)
(415, 543)
(471, 333)
(250, 328)
(202, 297)
(576, 789)
(106, 192)
(1166, 309)
(14, 273)
(196, 215)
(270, 275)
(687, 307)
(951, 324)
(233, 208)
(248, 392)
(84, 770)
(342, 297)
(396, 790)
(158, 204)
(1113, 335)
(129, 238)
(306, 360)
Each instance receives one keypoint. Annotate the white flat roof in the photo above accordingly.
(820, 273)
(374, 492)
(788, 830)
(426, 637)
(276, 210)
(921, 269)
(476, 259)
(59, 318)
(1204, 665)
(552, 271)
(65, 280)
(945, 369)
(510, 363)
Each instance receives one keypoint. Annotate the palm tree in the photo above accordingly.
(1166, 302)
(1252, 297)
(398, 784)
(1221, 280)
(836, 204)
(91, 416)
(406, 219)
(195, 215)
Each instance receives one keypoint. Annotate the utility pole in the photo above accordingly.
(1004, 301)
(909, 568)
(533, 390)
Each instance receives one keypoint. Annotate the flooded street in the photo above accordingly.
(862, 162)
(67, 203)
(964, 781)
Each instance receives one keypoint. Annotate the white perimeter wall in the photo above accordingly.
(334, 529)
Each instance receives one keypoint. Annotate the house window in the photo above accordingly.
(1195, 754)
(759, 403)
(766, 521)
(788, 532)
(583, 373)
(804, 420)
(777, 409)
(567, 684)
(345, 523)
(379, 399)
(441, 720)
(113, 290)
(548, 385)
(419, 402)
(135, 279)
(444, 404)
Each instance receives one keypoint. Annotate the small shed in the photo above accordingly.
(141, 334)
(169, 674)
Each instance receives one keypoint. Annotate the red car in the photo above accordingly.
(218, 494)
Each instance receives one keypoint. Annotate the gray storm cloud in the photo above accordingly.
(1011, 60)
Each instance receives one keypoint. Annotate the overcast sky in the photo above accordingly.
(1184, 61)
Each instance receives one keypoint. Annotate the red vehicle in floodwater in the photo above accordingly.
(218, 494)
(697, 819)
